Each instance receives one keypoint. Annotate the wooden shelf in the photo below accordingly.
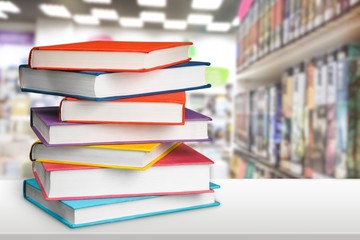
(331, 35)
(259, 160)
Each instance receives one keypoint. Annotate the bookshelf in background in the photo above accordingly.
(308, 49)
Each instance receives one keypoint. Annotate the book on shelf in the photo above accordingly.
(88, 212)
(110, 56)
(167, 108)
(309, 117)
(297, 120)
(286, 114)
(253, 121)
(99, 86)
(347, 119)
(183, 170)
(128, 156)
(51, 131)
(262, 122)
(318, 153)
(330, 144)
(242, 123)
(274, 124)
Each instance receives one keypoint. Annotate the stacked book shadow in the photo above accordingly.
(115, 149)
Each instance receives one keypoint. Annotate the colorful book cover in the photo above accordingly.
(59, 209)
(105, 46)
(318, 154)
(286, 114)
(48, 116)
(309, 118)
(347, 119)
(297, 119)
(262, 137)
(274, 124)
(330, 145)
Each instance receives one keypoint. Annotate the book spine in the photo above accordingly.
(330, 146)
(298, 104)
(304, 13)
(287, 91)
(319, 9)
(319, 117)
(309, 117)
(286, 21)
(278, 23)
(253, 124)
(311, 15)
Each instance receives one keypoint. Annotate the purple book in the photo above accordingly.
(52, 132)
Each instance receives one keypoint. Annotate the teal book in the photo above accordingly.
(88, 212)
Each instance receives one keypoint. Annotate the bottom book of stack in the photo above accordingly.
(87, 212)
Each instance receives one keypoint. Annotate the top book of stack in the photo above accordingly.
(110, 56)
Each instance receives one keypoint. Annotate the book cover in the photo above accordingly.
(32, 193)
(90, 47)
(286, 114)
(297, 119)
(160, 82)
(102, 108)
(47, 117)
(108, 183)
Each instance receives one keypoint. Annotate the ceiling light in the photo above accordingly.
(131, 22)
(175, 24)
(236, 21)
(7, 6)
(98, 1)
(218, 27)
(3, 16)
(55, 10)
(206, 5)
(106, 14)
(86, 19)
(152, 16)
(151, 3)
(199, 19)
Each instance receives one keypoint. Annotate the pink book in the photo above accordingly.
(182, 171)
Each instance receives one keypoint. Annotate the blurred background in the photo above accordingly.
(268, 60)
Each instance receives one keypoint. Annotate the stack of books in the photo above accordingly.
(114, 149)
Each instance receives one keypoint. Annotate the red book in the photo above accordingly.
(168, 108)
(182, 171)
(111, 56)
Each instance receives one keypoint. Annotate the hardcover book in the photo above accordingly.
(100, 86)
(139, 156)
(51, 131)
(167, 176)
(286, 114)
(274, 124)
(253, 123)
(109, 56)
(330, 145)
(167, 108)
(297, 119)
(262, 114)
(318, 154)
(88, 212)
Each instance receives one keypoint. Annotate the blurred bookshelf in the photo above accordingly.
(286, 125)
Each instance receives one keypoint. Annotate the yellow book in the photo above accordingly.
(126, 156)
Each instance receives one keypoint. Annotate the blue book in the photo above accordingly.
(87, 212)
(100, 86)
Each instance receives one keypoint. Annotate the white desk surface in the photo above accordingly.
(261, 208)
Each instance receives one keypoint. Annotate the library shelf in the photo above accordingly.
(250, 157)
(330, 35)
